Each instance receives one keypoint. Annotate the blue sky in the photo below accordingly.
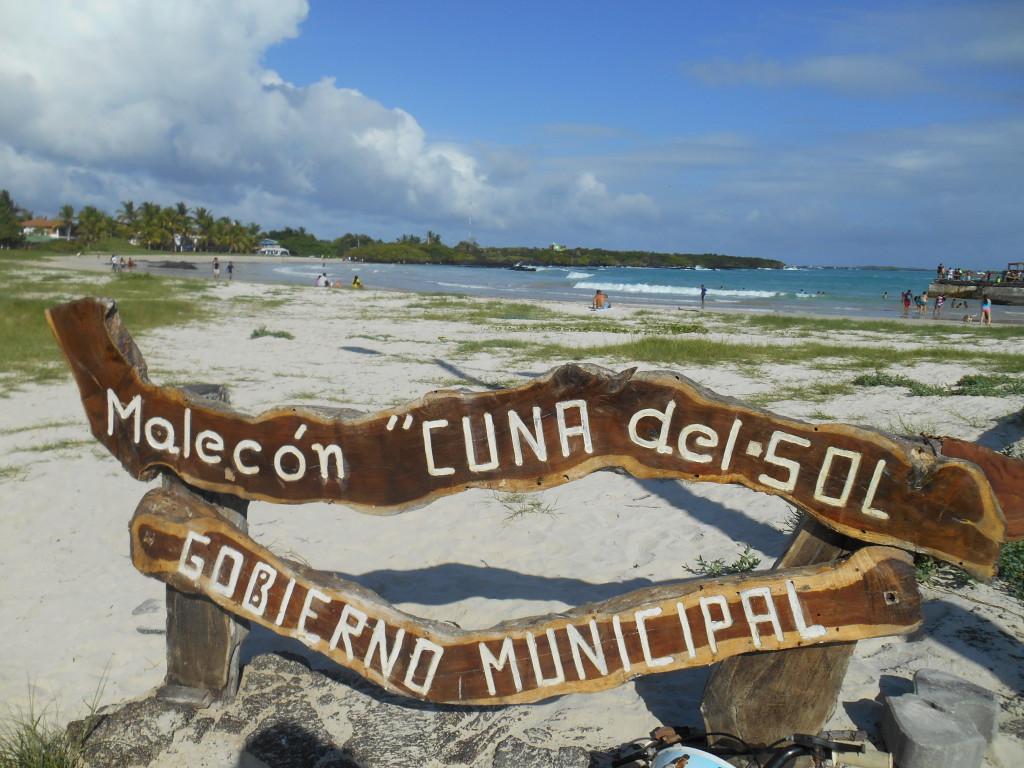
(811, 132)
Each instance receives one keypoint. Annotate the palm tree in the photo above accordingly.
(204, 227)
(150, 224)
(93, 224)
(67, 218)
(128, 219)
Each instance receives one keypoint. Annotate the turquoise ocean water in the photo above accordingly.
(856, 293)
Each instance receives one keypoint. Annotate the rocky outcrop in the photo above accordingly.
(287, 716)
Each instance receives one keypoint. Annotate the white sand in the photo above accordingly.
(76, 613)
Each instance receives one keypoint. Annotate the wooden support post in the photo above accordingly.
(764, 697)
(203, 640)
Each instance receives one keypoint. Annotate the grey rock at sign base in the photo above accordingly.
(921, 736)
(960, 698)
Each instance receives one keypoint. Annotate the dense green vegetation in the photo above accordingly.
(150, 226)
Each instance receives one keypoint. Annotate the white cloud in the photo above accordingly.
(108, 100)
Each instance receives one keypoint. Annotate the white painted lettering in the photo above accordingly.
(866, 507)
(706, 438)
(262, 578)
(806, 632)
(641, 628)
(826, 467)
(436, 652)
(711, 625)
(492, 448)
(665, 417)
(191, 566)
(186, 434)
(789, 483)
(379, 643)
(325, 454)
(134, 408)
(345, 630)
(428, 448)
(565, 432)
(620, 642)
(236, 456)
(770, 615)
(166, 443)
(285, 600)
(730, 444)
(684, 622)
(520, 431)
(207, 441)
(300, 463)
(594, 651)
(226, 588)
(531, 643)
(304, 635)
(506, 656)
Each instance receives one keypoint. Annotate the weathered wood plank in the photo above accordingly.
(203, 640)
(1005, 475)
(764, 697)
(577, 419)
(182, 541)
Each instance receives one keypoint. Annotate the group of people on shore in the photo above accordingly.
(118, 264)
(216, 269)
(921, 302)
(323, 281)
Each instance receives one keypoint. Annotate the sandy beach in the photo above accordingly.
(79, 618)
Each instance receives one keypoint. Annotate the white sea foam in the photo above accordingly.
(675, 290)
(579, 275)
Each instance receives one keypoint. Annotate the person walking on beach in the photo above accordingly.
(231, 271)
(216, 268)
(907, 297)
(986, 311)
(703, 295)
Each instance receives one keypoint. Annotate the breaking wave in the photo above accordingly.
(675, 290)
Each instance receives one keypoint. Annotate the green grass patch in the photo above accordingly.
(989, 385)
(9, 472)
(917, 388)
(263, 331)
(28, 350)
(475, 346)
(1010, 568)
(892, 328)
(979, 385)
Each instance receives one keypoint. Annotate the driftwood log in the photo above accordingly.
(181, 540)
(862, 483)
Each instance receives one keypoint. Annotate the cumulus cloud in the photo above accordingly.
(117, 99)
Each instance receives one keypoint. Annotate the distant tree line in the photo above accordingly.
(180, 228)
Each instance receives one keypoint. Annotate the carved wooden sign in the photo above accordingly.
(576, 419)
(181, 540)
